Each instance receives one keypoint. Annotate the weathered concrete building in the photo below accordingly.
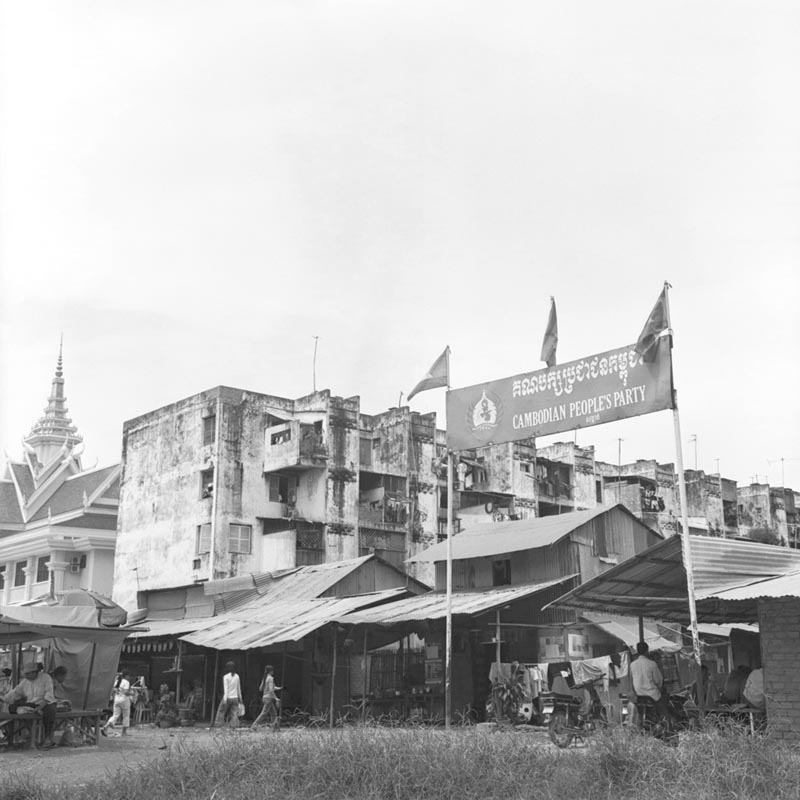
(57, 520)
(230, 482)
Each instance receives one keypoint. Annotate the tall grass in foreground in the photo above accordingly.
(417, 764)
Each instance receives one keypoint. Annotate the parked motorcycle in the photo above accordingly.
(683, 715)
(569, 717)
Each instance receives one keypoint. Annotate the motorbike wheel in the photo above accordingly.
(560, 736)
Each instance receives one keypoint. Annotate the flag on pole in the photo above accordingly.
(438, 375)
(656, 324)
(550, 336)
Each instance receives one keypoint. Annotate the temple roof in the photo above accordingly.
(54, 430)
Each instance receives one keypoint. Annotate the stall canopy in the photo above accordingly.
(262, 623)
(75, 640)
(626, 629)
(653, 583)
(434, 604)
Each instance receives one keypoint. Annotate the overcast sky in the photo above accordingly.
(191, 191)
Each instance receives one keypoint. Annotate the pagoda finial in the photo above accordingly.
(54, 433)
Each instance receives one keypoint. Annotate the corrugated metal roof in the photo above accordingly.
(783, 586)
(262, 624)
(301, 583)
(434, 604)
(653, 583)
(626, 629)
(489, 539)
(170, 627)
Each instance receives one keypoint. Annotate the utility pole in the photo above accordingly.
(619, 469)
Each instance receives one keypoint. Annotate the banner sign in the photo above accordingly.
(591, 391)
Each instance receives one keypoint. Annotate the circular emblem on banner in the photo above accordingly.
(485, 415)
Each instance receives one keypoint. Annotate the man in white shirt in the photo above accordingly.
(228, 711)
(35, 690)
(647, 678)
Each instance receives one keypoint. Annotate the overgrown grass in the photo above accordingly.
(365, 763)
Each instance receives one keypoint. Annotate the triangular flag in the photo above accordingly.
(438, 375)
(656, 324)
(550, 336)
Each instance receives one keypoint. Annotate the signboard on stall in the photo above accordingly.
(602, 388)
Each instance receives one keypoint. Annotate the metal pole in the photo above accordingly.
(364, 681)
(686, 538)
(89, 676)
(448, 650)
(314, 366)
(214, 689)
(333, 675)
(497, 635)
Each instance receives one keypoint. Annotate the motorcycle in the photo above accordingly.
(683, 714)
(569, 717)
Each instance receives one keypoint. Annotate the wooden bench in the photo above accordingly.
(86, 722)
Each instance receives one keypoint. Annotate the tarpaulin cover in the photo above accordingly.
(72, 634)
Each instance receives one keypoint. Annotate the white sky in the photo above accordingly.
(190, 191)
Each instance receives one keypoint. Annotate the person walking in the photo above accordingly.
(122, 704)
(228, 711)
(271, 704)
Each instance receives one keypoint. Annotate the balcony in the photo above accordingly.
(294, 446)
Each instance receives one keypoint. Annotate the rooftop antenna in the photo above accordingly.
(693, 441)
(314, 367)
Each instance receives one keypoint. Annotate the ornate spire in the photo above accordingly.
(54, 431)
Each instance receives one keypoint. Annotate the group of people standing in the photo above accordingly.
(231, 707)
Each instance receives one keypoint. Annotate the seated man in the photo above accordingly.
(36, 691)
(62, 701)
(734, 685)
(648, 681)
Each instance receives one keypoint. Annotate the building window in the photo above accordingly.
(501, 572)
(3, 576)
(282, 488)
(240, 539)
(204, 538)
(207, 482)
(209, 429)
(42, 572)
(19, 573)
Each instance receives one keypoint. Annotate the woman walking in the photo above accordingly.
(271, 705)
(122, 704)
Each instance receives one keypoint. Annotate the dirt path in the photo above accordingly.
(79, 765)
(75, 766)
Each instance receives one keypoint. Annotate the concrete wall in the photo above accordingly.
(779, 622)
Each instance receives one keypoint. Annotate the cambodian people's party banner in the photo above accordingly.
(591, 391)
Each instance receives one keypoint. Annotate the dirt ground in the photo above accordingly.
(78, 765)
(75, 766)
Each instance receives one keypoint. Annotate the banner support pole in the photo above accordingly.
(448, 648)
(685, 535)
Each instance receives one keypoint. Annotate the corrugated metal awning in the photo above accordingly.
(626, 629)
(653, 582)
(280, 621)
(150, 629)
(492, 539)
(434, 604)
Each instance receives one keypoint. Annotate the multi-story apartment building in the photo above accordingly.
(769, 514)
(57, 520)
(231, 482)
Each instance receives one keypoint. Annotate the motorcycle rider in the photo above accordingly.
(648, 681)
